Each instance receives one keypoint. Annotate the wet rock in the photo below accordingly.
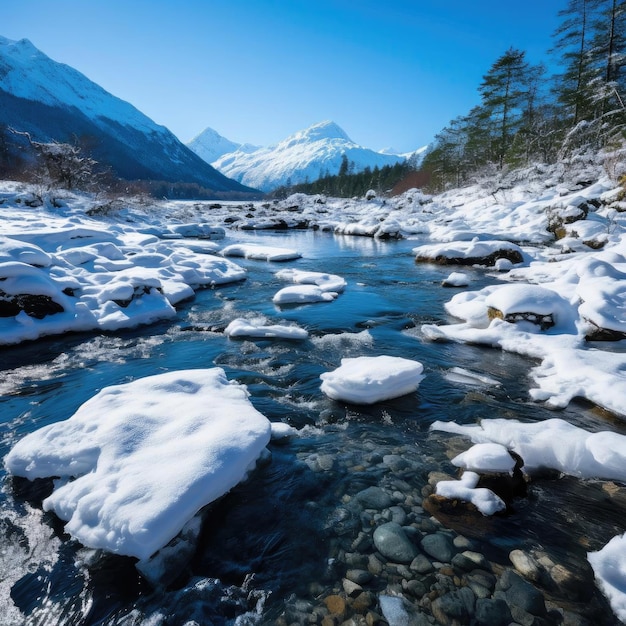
(482, 578)
(392, 542)
(454, 607)
(336, 605)
(492, 612)
(398, 515)
(358, 576)
(362, 543)
(520, 593)
(415, 587)
(527, 565)
(574, 584)
(395, 462)
(468, 561)
(439, 546)
(373, 498)
(374, 565)
(421, 565)
(351, 589)
(363, 602)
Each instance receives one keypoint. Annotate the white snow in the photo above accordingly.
(366, 380)
(260, 252)
(553, 444)
(486, 458)
(210, 145)
(101, 285)
(124, 486)
(609, 567)
(241, 327)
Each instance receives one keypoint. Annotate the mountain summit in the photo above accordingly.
(54, 102)
(308, 154)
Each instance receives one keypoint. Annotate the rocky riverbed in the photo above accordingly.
(390, 561)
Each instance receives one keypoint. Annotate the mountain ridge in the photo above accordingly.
(55, 102)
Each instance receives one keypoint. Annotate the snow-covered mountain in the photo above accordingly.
(53, 101)
(210, 145)
(306, 155)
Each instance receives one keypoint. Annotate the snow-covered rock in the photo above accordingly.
(473, 252)
(366, 380)
(326, 282)
(260, 252)
(303, 294)
(257, 328)
(137, 461)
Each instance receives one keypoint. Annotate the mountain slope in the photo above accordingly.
(54, 102)
(306, 155)
(209, 145)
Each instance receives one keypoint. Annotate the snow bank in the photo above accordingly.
(609, 567)
(366, 380)
(102, 285)
(553, 444)
(139, 460)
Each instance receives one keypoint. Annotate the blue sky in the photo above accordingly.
(391, 74)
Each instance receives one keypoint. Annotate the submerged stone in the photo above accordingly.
(392, 542)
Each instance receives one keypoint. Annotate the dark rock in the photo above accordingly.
(421, 565)
(358, 576)
(522, 594)
(492, 612)
(439, 546)
(37, 306)
(373, 498)
(391, 541)
(454, 607)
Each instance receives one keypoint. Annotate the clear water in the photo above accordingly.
(272, 537)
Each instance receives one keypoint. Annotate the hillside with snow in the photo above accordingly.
(304, 156)
(54, 102)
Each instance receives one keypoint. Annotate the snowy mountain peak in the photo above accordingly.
(210, 145)
(308, 154)
(319, 132)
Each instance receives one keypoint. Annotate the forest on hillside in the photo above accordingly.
(527, 114)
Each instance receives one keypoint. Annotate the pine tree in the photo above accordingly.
(503, 92)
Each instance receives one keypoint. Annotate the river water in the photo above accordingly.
(272, 542)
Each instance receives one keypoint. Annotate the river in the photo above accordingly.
(275, 544)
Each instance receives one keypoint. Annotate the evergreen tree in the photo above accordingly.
(503, 93)
(573, 46)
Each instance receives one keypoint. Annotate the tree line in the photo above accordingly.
(526, 114)
(348, 183)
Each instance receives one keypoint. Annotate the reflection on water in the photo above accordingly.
(278, 534)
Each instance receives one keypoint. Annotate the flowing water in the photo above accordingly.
(273, 539)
